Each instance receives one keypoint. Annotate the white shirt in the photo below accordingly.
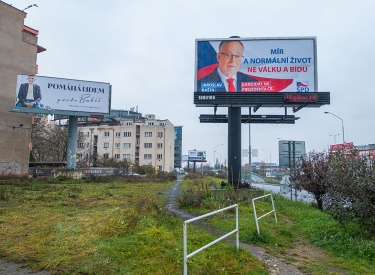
(30, 92)
(224, 79)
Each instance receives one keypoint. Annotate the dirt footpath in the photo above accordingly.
(10, 268)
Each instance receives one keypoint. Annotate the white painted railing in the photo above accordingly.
(187, 256)
(255, 211)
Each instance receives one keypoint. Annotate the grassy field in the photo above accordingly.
(303, 236)
(120, 226)
(111, 227)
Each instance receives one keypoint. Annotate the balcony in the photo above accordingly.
(29, 38)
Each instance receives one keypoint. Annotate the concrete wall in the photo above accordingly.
(16, 57)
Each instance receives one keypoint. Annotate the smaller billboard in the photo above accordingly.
(337, 147)
(270, 174)
(34, 93)
(197, 155)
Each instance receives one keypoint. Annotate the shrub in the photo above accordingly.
(220, 176)
(194, 176)
(190, 197)
(165, 176)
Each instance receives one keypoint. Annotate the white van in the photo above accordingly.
(182, 171)
(179, 170)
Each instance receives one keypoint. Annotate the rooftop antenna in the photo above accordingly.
(33, 5)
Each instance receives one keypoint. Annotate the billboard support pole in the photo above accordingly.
(249, 148)
(72, 143)
(234, 145)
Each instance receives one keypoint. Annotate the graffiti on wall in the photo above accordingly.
(14, 167)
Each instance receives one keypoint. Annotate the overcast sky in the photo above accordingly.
(146, 50)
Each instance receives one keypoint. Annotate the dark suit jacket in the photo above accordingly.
(215, 77)
(22, 93)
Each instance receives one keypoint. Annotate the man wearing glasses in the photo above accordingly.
(226, 77)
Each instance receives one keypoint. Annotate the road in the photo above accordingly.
(276, 188)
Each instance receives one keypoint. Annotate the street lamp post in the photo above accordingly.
(334, 136)
(214, 154)
(342, 125)
(270, 157)
(220, 160)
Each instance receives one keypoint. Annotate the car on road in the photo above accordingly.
(132, 174)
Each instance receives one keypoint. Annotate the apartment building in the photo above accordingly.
(18, 54)
(143, 141)
(178, 147)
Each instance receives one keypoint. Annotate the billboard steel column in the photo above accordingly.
(72, 143)
(234, 145)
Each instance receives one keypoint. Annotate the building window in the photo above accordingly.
(117, 145)
(106, 134)
(106, 156)
(162, 123)
(148, 156)
(118, 134)
(159, 156)
(117, 156)
(148, 134)
(129, 123)
(160, 134)
(81, 145)
(126, 145)
(160, 168)
(150, 123)
(127, 134)
(148, 145)
(160, 145)
(106, 144)
(126, 156)
(79, 156)
(88, 134)
(80, 134)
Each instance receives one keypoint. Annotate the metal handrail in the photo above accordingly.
(187, 256)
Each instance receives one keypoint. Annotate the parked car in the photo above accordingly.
(132, 174)
(179, 170)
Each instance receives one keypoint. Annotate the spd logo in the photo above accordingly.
(303, 86)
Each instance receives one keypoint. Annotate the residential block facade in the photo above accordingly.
(143, 141)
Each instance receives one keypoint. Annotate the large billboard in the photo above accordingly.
(41, 93)
(237, 68)
(197, 155)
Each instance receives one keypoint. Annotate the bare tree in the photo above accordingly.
(49, 141)
(312, 175)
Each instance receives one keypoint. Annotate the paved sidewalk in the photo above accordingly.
(10, 268)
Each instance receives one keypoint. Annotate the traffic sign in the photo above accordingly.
(284, 189)
(285, 180)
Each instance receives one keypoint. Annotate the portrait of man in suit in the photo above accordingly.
(29, 94)
(226, 77)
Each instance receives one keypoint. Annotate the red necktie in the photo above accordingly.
(231, 87)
